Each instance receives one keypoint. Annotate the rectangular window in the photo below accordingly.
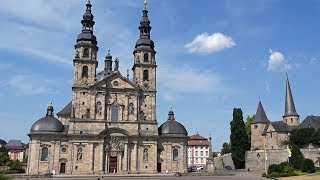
(196, 160)
(207, 153)
(201, 153)
(196, 154)
(201, 160)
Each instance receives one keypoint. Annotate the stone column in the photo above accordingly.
(119, 159)
(101, 157)
(125, 157)
(107, 162)
(136, 157)
(91, 146)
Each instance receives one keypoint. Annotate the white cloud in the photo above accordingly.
(277, 62)
(190, 80)
(30, 84)
(205, 43)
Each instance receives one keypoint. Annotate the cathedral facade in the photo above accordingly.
(110, 126)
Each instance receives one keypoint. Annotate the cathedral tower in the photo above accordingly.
(144, 68)
(290, 116)
(85, 64)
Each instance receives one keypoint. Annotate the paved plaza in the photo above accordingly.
(239, 175)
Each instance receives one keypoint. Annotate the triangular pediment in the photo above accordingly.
(116, 81)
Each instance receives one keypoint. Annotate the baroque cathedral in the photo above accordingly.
(110, 126)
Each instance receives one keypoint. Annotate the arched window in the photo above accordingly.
(145, 75)
(115, 113)
(145, 154)
(85, 53)
(84, 71)
(175, 154)
(146, 57)
(79, 154)
(44, 154)
(99, 108)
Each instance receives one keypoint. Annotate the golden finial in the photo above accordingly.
(108, 51)
(50, 104)
(145, 4)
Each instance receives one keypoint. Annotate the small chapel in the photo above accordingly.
(110, 125)
(266, 134)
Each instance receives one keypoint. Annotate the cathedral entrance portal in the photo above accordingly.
(63, 168)
(113, 164)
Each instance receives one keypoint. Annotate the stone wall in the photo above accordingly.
(255, 160)
(222, 161)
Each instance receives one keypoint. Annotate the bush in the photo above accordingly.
(308, 166)
(3, 177)
(275, 174)
(274, 168)
(288, 169)
(264, 174)
(284, 164)
(296, 158)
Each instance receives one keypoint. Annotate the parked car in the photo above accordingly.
(192, 169)
(199, 168)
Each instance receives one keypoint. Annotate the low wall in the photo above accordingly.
(222, 161)
(255, 160)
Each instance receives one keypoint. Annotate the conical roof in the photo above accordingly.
(290, 109)
(261, 116)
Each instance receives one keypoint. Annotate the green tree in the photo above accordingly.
(248, 127)
(316, 137)
(238, 139)
(296, 158)
(301, 136)
(4, 157)
(225, 148)
(308, 166)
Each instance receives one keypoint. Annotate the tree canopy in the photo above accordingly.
(225, 148)
(304, 136)
(239, 140)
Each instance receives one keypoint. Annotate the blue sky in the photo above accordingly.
(212, 56)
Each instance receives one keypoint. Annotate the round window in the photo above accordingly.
(115, 83)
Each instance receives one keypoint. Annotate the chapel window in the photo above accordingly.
(84, 71)
(145, 75)
(146, 57)
(44, 154)
(145, 154)
(175, 154)
(85, 53)
(115, 113)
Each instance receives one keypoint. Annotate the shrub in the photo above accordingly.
(288, 169)
(308, 166)
(264, 174)
(274, 168)
(3, 177)
(284, 164)
(296, 158)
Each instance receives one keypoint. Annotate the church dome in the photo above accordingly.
(48, 123)
(172, 128)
